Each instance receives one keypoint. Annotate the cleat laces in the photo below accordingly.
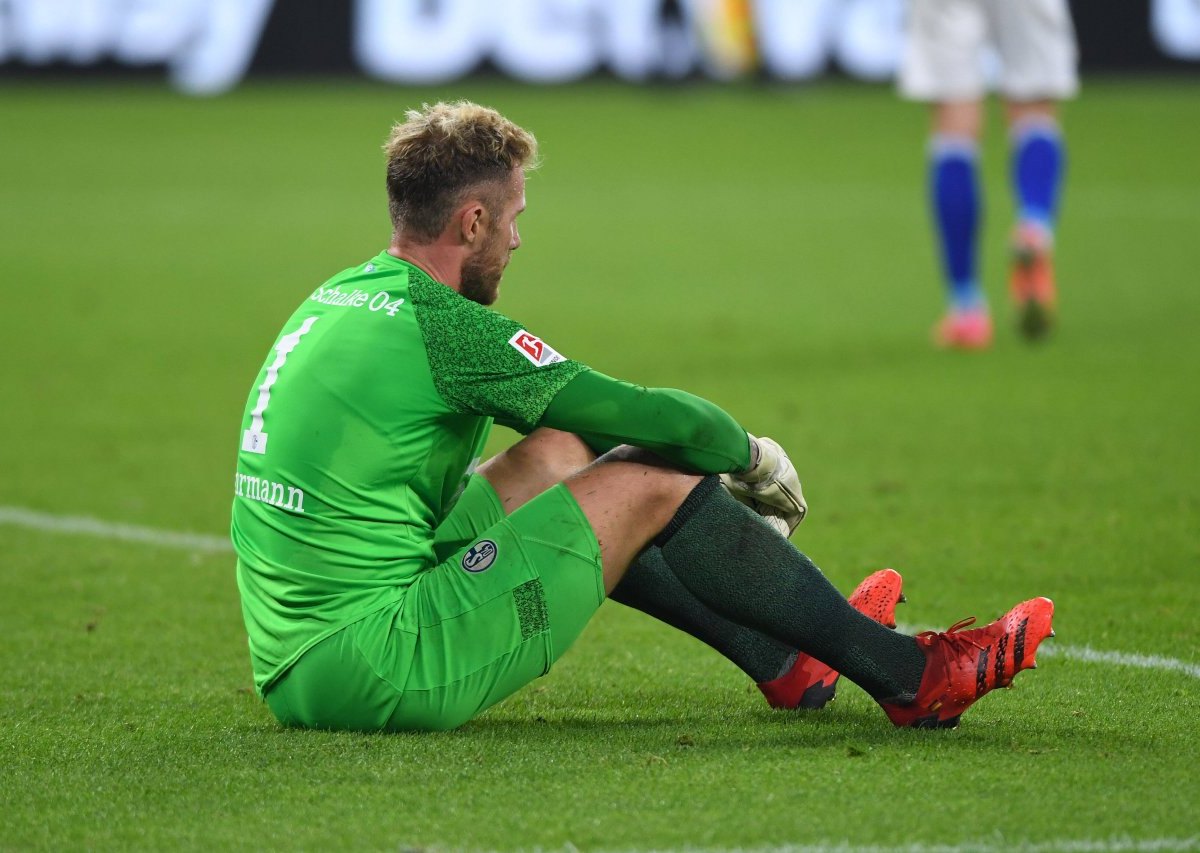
(961, 646)
(950, 635)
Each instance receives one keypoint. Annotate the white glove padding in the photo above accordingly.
(771, 487)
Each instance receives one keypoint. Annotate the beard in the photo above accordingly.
(480, 279)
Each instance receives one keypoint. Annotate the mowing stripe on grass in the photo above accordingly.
(80, 525)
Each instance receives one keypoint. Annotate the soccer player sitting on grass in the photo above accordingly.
(388, 583)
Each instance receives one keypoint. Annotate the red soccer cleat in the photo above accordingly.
(810, 683)
(1034, 295)
(964, 329)
(961, 666)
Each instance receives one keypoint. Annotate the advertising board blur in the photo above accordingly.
(209, 46)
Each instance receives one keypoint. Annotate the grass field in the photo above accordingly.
(766, 248)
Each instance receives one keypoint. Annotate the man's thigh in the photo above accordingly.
(478, 508)
(498, 612)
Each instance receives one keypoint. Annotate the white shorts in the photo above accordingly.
(947, 41)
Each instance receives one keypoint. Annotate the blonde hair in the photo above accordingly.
(440, 153)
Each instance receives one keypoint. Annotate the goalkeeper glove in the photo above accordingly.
(770, 486)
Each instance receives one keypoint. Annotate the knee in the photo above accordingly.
(548, 456)
(560, 453)
(959, 119)
(661, 483)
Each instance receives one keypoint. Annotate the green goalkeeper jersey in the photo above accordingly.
(364, 424)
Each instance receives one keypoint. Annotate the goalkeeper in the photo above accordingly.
(389, 582)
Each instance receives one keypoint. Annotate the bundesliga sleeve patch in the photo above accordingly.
(534, 349)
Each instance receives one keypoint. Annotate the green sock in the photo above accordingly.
(743, 570)
(651, 587)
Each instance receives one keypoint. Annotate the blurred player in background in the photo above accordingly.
(1035, 40)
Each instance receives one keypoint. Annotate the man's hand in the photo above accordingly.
(770, 486)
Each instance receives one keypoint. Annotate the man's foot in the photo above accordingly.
(810, 683)
(965, 329)
(1032, 282)
(961, 666)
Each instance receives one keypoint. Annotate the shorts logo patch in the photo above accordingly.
(534, 349)
(480, 557)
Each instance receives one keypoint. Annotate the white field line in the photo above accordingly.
(1087, 654)
(78, 525)
(1065, 845)
(1090, 655)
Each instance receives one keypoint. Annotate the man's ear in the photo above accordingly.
(471, 222)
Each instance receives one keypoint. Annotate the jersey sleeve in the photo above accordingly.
(681, 427)
(482, 362)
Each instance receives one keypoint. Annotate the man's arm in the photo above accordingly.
(686, 430)
(682, 428)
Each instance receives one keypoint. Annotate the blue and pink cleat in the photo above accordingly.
(964, 329)
(1031, 283)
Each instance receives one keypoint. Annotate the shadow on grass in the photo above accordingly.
(575, 730)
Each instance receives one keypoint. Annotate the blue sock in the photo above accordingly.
(955, 194)
(1038, 163)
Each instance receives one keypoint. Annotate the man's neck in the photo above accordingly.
(441, 263)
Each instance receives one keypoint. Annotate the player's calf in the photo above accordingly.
(812, 684)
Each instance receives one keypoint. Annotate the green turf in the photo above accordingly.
(766, 248)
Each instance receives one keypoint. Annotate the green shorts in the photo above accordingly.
(508, 597)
